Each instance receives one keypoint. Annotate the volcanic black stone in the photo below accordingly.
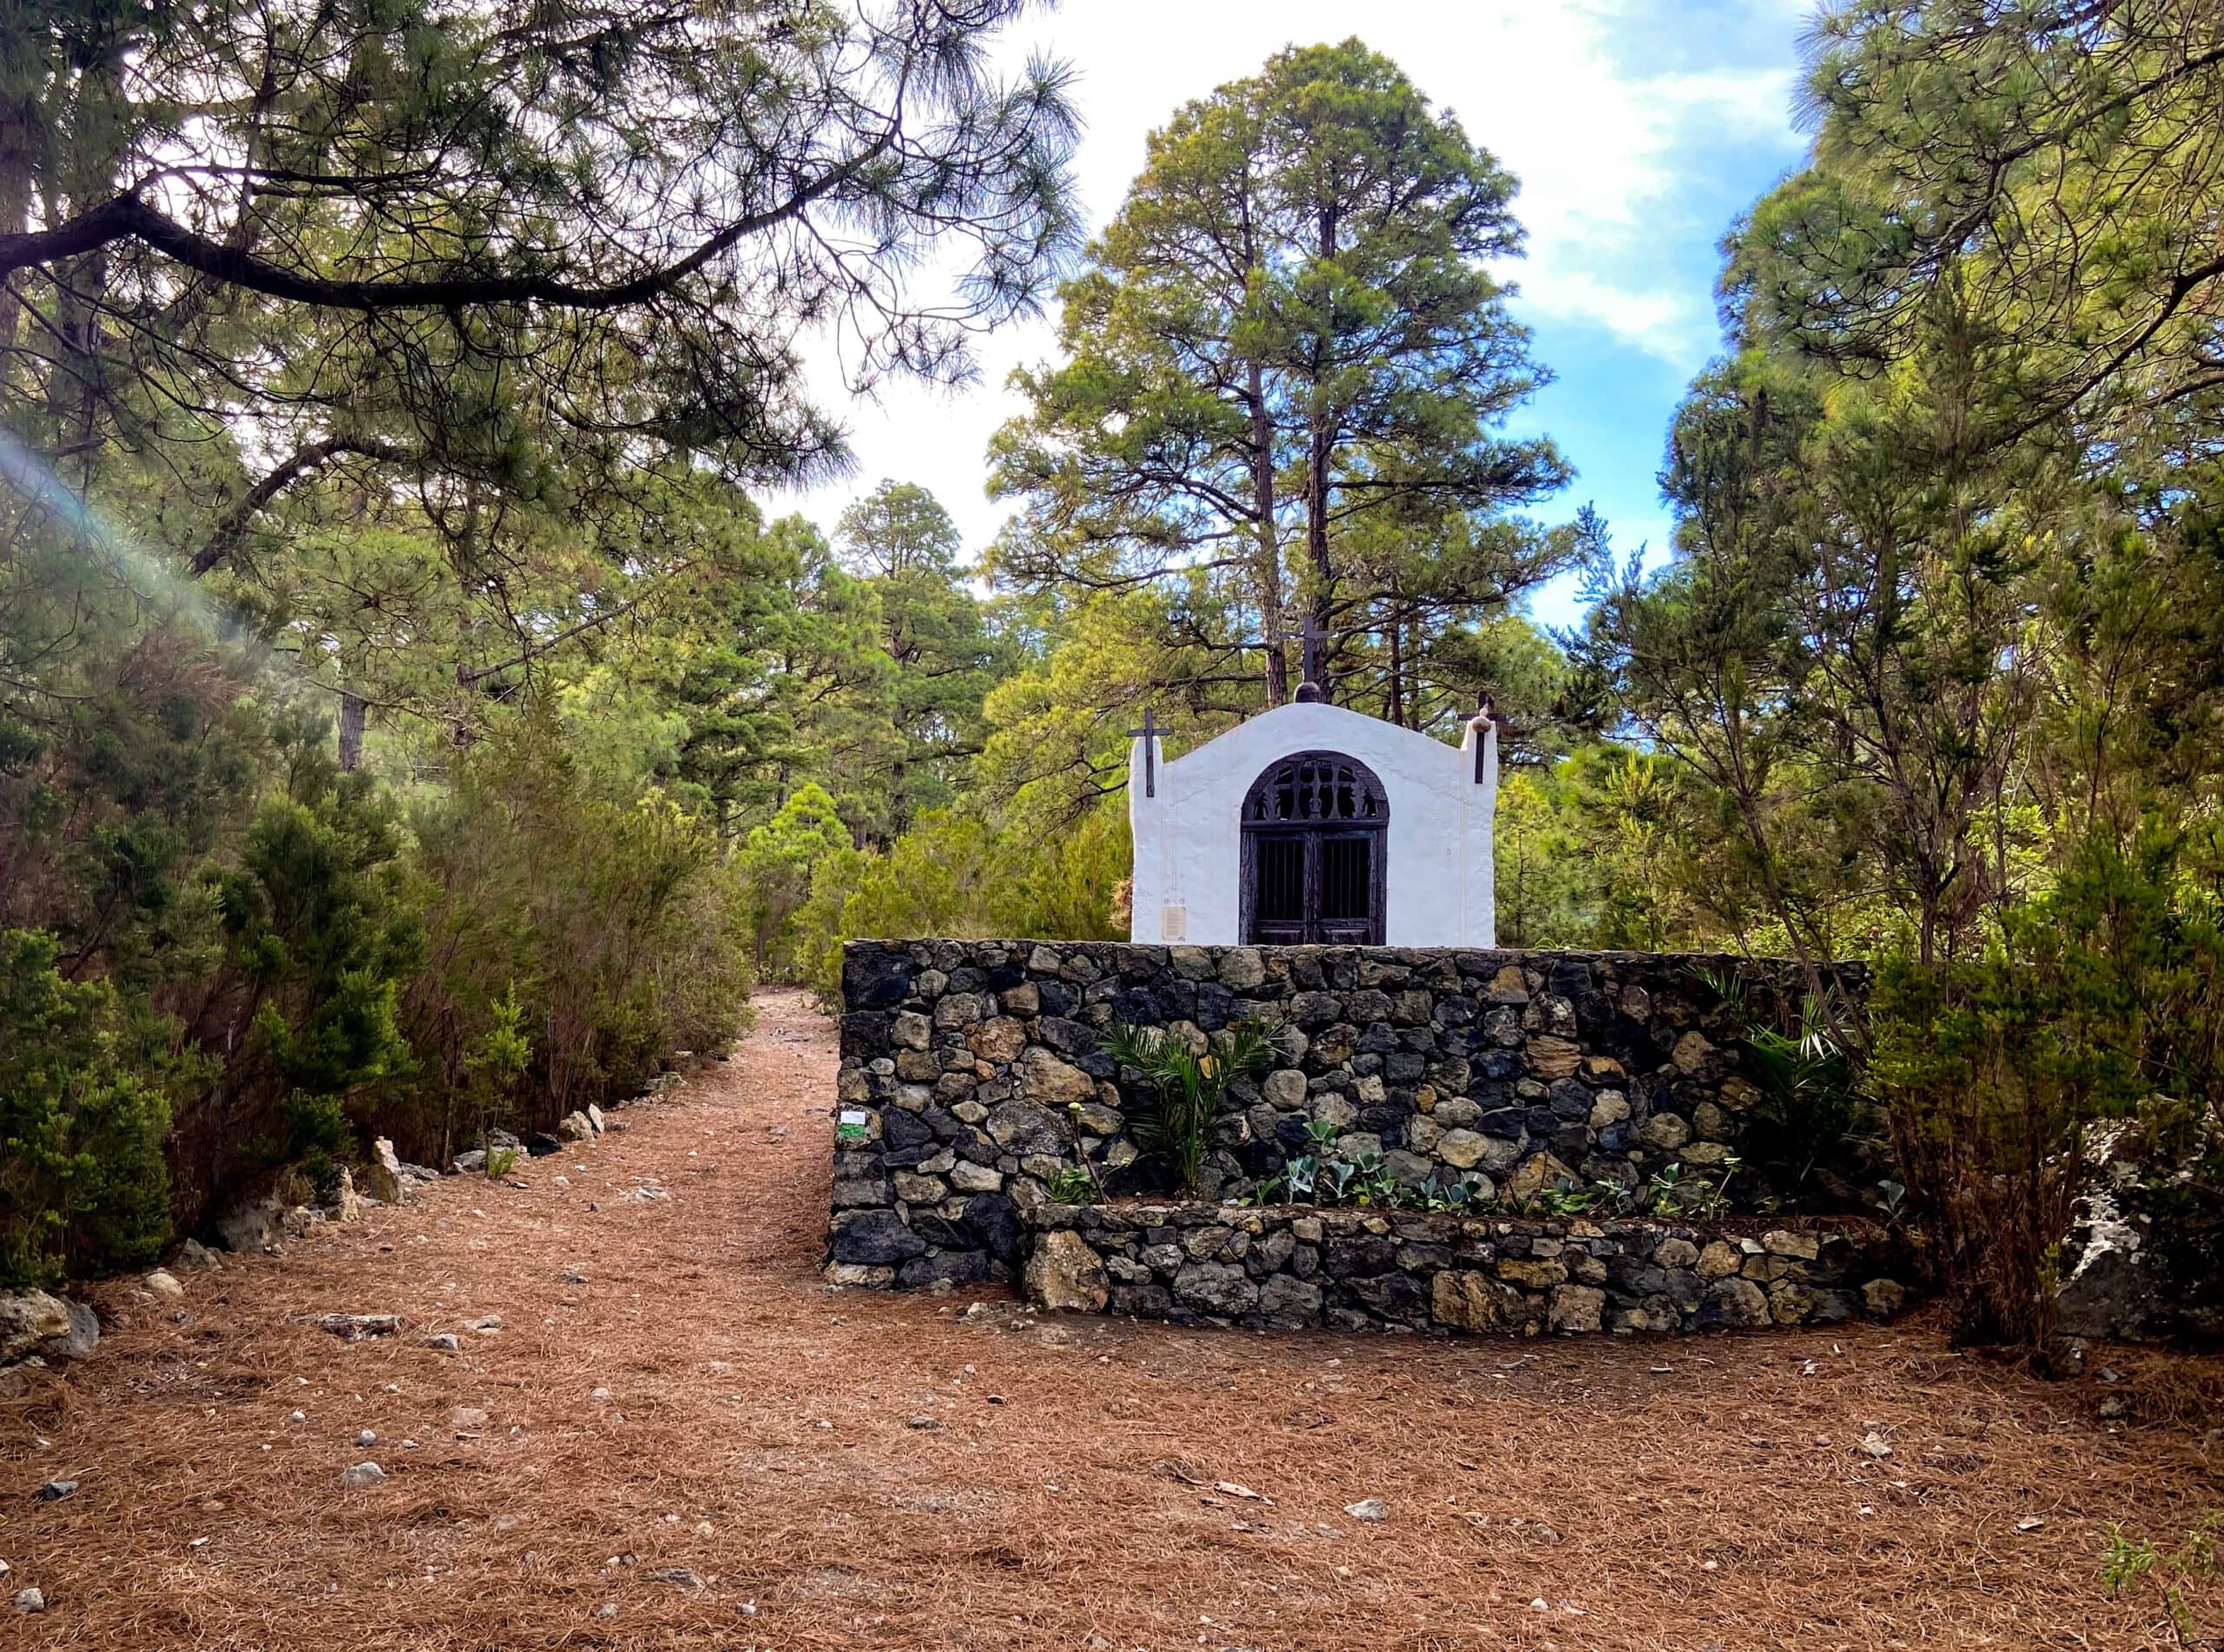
(1068, 1038)
(901, 1129)
(864, 1034)
(1137, 1007)
(876, 980)
(940, 1232)
(1359, 1254)
(1502, 1065)
(994, 1220)
(959, 1268)
(876, 1238)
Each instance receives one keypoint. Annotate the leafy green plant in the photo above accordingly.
(2186, 1577)
(1374, 1185)
(1678, 1190)
(1456, 1195)
(501, 1161)
(1188, 1085)
(1567, 1198)
(1071, 1185)
(1809, 1116)
(1336, 1179)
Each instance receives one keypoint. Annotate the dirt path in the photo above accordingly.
(700, 1446)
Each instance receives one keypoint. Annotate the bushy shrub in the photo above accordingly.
(608, 924)
(953, 874)
(2099, 1002)
(83, 1185)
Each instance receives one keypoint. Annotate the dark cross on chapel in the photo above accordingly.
(1486, 715)
(1149, 735)
(1313, 678)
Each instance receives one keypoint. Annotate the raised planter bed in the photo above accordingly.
(1294, 1266)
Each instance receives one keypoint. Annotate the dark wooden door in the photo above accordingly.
(1314, 831)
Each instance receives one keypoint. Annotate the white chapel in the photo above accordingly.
(1312, 824)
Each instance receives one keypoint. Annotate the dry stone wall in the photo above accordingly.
(973, 1074)
(1287, 1267)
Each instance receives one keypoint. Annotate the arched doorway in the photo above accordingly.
(1315, 827)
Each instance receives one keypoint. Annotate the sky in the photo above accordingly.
(1638, 130)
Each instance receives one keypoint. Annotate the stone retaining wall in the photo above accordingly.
(973, 1072)
(1289, 1267)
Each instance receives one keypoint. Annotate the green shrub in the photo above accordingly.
(1188, 1085)
(2100, 997)
(83, 1185)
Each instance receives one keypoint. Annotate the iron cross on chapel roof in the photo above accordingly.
(1149, 735)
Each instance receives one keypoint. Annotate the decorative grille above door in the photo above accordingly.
(1314, 839)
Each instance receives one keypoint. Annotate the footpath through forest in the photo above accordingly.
(659, 1429)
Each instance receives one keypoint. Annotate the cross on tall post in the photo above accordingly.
(1149, 735)
(1313, 673)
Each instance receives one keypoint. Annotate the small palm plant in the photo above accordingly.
(1190, 1083)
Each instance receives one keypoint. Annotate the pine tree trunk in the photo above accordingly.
(352, 713)
(1270, 561)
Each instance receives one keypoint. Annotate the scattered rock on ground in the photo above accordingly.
(38, 1322)
(55, 1491)
(194, 1254)
(338, 1198)
(253, 1224)
(30, 1600)
(1873, 1445)
(360, 1475)
(1368, 1508)
(575, 1127)
(469, 1416)
(353, 1327)
(382, 1178)
(164, 1284)
(446, 1342)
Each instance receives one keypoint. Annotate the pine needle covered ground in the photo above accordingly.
(697, 1446)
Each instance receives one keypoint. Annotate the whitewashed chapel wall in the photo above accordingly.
(1188, 836)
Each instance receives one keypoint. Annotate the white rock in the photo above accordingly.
(1368, 1508)
(1872, 1444)
(30, 1600)
(164, 1284)
(367, 1438)
(361, 1475)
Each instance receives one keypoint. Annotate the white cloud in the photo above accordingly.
(1602, 147)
